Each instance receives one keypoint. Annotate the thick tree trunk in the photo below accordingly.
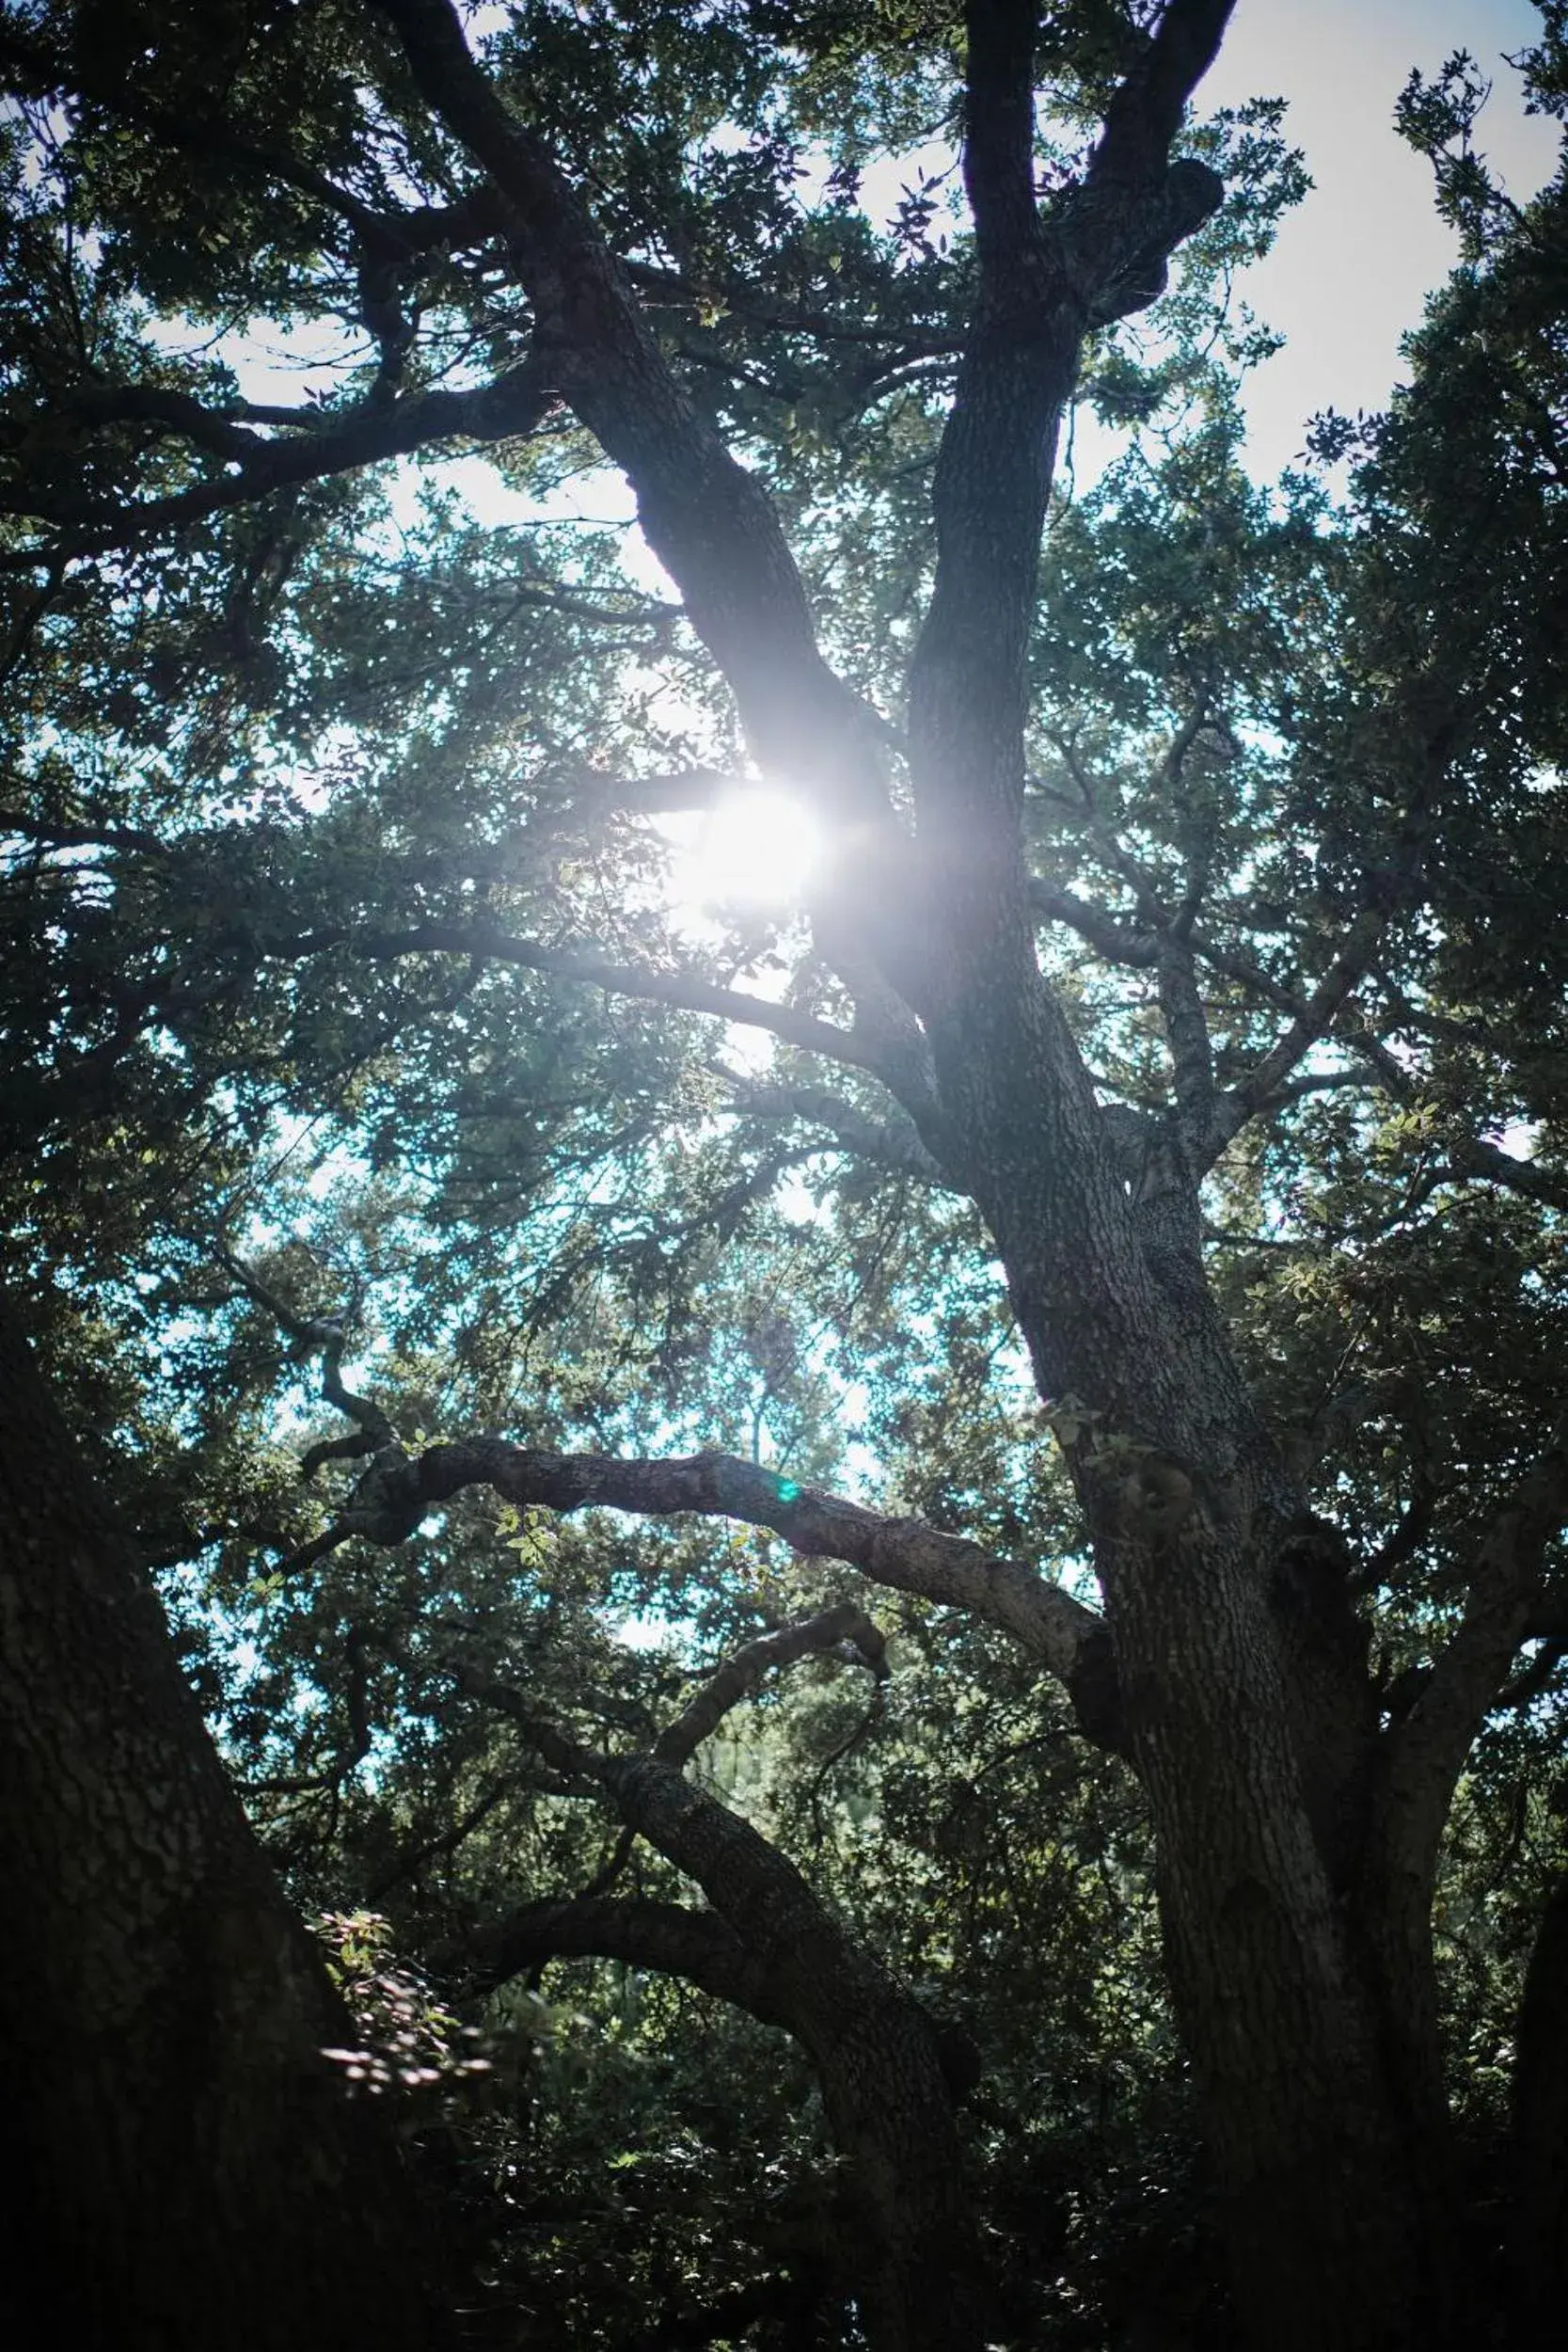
(192, 2172)
(1328, 2238)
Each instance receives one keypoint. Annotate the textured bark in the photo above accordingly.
(192, 2172)
(905, 1553)
(1327, 2232)
(875, 2052)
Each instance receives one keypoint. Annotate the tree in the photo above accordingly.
(176, 2117)
(1179, 944)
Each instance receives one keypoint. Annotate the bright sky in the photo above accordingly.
(1356, 261)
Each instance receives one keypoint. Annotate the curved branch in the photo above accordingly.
(326, 1334)
(843, 1626)
(1427, 1749)
(903, 1553)
(1106, 933)
(695, 1945)
(710, 523)
(683, 991)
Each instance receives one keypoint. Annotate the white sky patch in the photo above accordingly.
(1348, 277)
(284, 367)
(643, 1630)
(1519, 1138)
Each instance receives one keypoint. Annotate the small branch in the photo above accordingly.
(843, 1626)
(414, 1856)
(620, 1855)
(327, 1335)
(1152, 907)
(1109, 936)
(1536, 1679)
(1414, 1525)
(45, 834)
(1358, 953)
(891, 1143)
(515, 403)
(217, 138)
(903, 345)
(561, 1752)
(1472, 1157)
(1427, 1750)
(683, 991)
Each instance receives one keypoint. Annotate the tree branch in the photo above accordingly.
(683, 991)
(903, 1553)
(709, 522)
(861, 2030)
(845, 1626)
(999, 128)
(1145, 115)
(328, 1336)
(1041, 287)
(1350, 967)
(1426, 1752)
(694, 1944)
(1106, 933)
(891, 1143)
(515, 403)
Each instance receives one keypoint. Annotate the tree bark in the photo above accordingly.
(1326, 2232)
(193, 2172)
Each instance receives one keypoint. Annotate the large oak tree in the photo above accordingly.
(1180, 944)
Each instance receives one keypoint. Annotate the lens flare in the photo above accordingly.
(754, 849)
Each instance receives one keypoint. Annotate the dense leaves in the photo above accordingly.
(359, 1028)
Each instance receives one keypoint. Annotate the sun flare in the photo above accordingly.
(754, 849)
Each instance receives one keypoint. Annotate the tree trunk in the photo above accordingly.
(1326, 2235)
(193, 2172)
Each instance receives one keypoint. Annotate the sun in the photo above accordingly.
(755, 851)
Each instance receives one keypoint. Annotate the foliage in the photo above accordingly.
(347, 750)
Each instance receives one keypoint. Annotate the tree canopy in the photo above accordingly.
(881, 1546)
